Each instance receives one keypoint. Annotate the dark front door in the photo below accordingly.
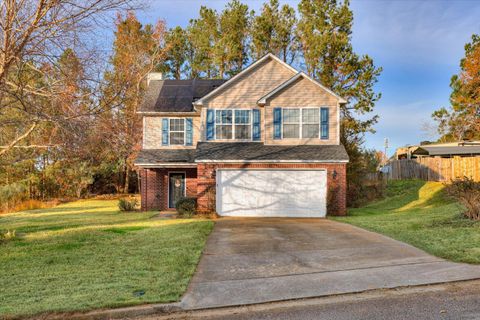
(176, 188)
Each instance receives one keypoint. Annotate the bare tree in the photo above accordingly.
(33, 34)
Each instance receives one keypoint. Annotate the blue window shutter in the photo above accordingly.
(165, 132)
(277, 123)
(256, 125)
(324, 123)
(210, 124)
(189, 131)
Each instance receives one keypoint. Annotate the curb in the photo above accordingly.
(119, 313)
(176, 308)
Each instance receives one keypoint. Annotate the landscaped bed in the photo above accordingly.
(419, 213)
(86, 255)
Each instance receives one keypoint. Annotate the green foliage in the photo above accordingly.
(186, 207)
(96, 257)
(203, 34)
(467, 192)
(421, 214)
(274, 31)
(176, 48)
(126, 204)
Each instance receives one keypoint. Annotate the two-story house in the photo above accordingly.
(264, 143)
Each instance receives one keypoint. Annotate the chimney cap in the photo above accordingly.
(154, 76)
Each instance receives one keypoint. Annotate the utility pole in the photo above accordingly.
(385, 141)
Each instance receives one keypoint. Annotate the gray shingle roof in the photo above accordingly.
(176, 95)
(451, 150)
(155, 156)
(257, 151)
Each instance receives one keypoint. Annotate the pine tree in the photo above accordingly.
(462, 120)
(324, 31)
(274, 31)
(231, 51)
(176, 46)
(202, 34)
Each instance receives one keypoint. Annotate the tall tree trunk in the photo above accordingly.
(127, 178)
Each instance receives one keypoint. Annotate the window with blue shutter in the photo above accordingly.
(324, 123)
(165, 132)
(277, 123)
(210, 124)
(189, 131)
(256, 125)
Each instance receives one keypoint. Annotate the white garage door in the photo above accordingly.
(272, 193)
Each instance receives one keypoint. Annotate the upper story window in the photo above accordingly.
(233, 124)
(300, 123)
(177, 131)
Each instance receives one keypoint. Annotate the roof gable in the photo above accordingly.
(246, 72)
(292, 80)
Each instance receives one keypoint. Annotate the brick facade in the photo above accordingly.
(337, 187)
(154, 186)
(201, 181)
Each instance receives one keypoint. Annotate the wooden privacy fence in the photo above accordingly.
(434, 169)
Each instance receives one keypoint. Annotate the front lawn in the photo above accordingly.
(86, 255)
(418, 213)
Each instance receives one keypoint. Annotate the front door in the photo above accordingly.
(176, 188)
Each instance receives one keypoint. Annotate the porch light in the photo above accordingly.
(334, 174)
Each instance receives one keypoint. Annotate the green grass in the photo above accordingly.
(419, 213)
(86, 255)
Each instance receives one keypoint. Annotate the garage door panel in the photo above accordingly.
(271, 193)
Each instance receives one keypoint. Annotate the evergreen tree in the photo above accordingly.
(274, 31)
(462, 119)
(324, 31)
(231, 51)
(202, 35)
(176, 48)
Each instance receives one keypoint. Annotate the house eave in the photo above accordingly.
(165, 165)
(270, 161)
(169, 113)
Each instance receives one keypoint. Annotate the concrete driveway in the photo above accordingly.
(250, 260)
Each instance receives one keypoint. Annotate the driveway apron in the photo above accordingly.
(258, 260)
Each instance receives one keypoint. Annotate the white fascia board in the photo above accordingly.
(165, 165)
(272, 161)
(199, 102)
(172, 113)
(263, 100)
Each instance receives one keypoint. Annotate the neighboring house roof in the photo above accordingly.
(258, 152)
(263, 100)
(200, 102)
(158, 156)
(450, 150)
(176, 95)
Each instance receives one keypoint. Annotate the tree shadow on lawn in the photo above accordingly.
(406, 195)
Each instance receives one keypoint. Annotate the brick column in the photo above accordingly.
(205, 188)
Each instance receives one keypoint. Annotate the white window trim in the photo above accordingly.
(300, 134)
(184, 131)
(233, 125)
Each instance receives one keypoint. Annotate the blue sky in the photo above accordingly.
(418, 43)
